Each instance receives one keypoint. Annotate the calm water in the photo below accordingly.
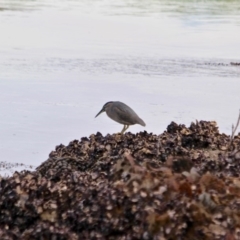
(60, 61)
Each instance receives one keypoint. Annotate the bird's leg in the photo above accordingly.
(127, 126)
(123, 130)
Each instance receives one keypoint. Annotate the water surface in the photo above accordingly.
(60, 61)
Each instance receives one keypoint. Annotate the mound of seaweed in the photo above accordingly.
(182, 184)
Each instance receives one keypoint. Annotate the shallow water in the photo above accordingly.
(60, 61)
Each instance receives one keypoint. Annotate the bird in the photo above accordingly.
(121, 113)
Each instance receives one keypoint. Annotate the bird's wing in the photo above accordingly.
(124, 116)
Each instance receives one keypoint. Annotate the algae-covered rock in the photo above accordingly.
(181, 184)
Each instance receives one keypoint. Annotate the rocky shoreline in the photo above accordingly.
(181, 184)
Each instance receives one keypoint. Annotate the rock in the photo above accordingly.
(136, 186)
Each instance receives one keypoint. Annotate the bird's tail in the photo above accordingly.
(141, 122)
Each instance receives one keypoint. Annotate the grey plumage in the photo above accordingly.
(121, 113)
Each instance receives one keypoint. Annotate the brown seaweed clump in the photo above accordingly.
(182, 184)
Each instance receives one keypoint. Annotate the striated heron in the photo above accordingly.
(121, 113)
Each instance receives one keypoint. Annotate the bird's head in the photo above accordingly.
(104, 108)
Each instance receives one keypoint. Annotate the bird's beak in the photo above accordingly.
(100, 112)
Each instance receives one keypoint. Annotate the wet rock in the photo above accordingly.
(235, 63)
